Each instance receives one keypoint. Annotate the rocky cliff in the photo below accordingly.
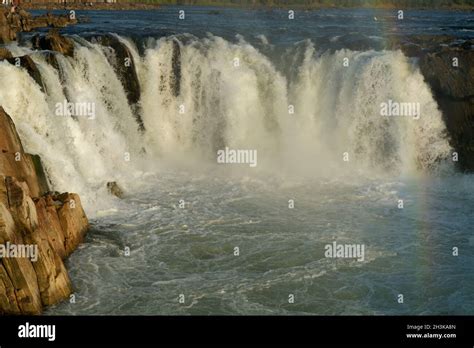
(447, 65)
(49, 225)
(453, 89)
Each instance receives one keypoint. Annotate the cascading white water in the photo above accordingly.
(231, 95)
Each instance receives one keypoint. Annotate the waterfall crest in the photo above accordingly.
(201, 95)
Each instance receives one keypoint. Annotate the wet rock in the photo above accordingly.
(53, 41)
(124, 66)
(29, 65)
(453, 89)
(412, 50)
(175, 79)
(447, 79)
(53, 61)
(43, 183)
(114, 189)
(452, 86)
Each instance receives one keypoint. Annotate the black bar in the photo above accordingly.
(195, 330)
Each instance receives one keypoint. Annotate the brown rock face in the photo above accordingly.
(9, 141)
(4, 53)
(49, 226)
(8, 26)
(15, 162)
(73, 220)
(18, 283)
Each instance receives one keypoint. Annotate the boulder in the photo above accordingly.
(114, 189)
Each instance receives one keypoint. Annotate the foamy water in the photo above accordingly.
(190, 251)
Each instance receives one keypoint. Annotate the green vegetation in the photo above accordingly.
(309, 4)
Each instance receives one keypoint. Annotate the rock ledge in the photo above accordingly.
(51, 224)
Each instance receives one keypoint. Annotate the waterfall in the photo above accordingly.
(201, 95)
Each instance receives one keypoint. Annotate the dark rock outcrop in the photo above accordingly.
(29, 65)
(52, 224)
(124, 66)
(53, 61)
(447, 64)
(450, 73)
(23, 62)
(453, 88)
(53, 41)
(175, 78)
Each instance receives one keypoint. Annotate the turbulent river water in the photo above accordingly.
(209, 238)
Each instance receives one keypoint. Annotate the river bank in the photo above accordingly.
(252, 5)
(90, 6)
